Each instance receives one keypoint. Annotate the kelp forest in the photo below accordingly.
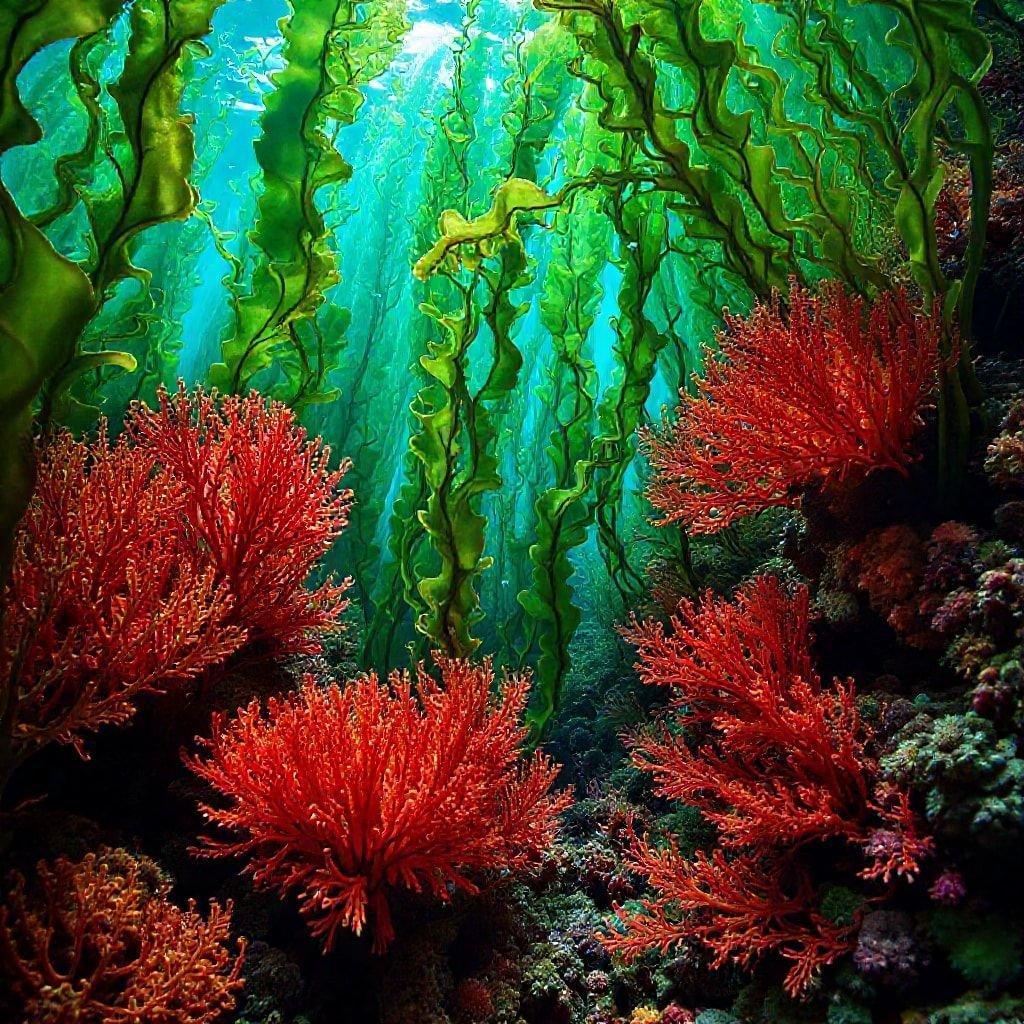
(511, 511)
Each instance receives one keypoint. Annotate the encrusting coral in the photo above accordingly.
(800, 395)
(100, 943)
(343, 794)
(779, 764)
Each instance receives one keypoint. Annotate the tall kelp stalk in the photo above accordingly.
(569, 306)
(797, 150)
(367, 422)
(641, 226)
(459, 412)
(331, 49)
(46, 298)
(145, 317)
(445, 181)
(449, 414)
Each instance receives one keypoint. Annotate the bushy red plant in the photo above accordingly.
(100, 943)
(340, 794)
(801, 395)
(102, 604)
(778, 763)
(261, 506)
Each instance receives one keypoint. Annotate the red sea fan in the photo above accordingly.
(260, 505)
(342, 794)
(102, 604)
(781, 766)
(103, 945)
(799, 396)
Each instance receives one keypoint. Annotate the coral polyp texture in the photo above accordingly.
(104, 602)
(98, 942)
(806, 393)
(260, 506)
(342, 795)
(778, 765)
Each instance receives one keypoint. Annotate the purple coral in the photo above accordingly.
(949, 888)
(887, 951)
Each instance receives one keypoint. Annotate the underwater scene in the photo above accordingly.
(511, 511)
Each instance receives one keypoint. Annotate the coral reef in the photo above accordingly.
(475, 247)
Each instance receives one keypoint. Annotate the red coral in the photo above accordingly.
(103, 945)
(800, 397)
(341, 794)
(102, 605)
(261, 506)
(888, 565)
(782, 767)
(473, 1000)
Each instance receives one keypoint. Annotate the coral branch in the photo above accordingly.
(103, 945)
(342, 794)
(102, 605)
(781, 768)
(802, 396)
(261, 506)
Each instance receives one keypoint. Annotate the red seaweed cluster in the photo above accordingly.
(342, 794)
(144, 561)
(813, 392)
(779, 763)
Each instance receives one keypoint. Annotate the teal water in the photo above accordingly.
(376, 223)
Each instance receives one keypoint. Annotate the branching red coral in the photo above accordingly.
(781, 765)
(737, 907)
(102, 605)
(340, 794)
(800, 396)
(102, 944)
(260, 504)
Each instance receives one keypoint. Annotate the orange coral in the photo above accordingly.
(802, 396)
(907, 579)
(783, 766)
(261, 507)
(103, 945)
(102, 605)
(342, 794)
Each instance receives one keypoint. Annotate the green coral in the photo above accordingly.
(984, 948)
(971, 778)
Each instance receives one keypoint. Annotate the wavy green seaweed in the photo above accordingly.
(46, 299)
(331, 49)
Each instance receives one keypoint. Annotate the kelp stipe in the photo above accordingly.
(330, 51)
